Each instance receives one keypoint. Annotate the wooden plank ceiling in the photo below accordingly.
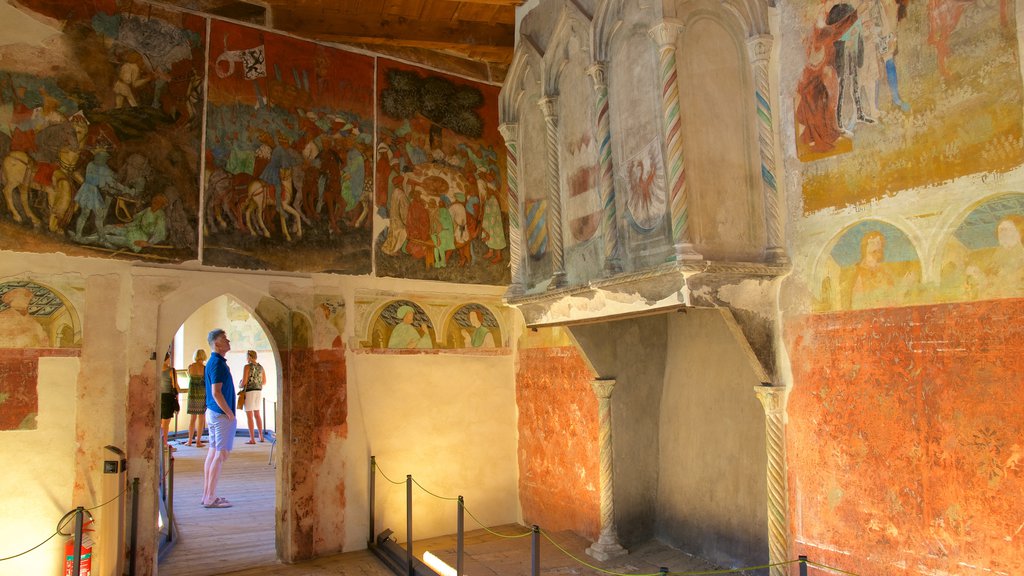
(471, 38)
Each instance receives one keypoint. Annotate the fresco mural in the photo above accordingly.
(289, 175)
(904, 438)
(897, 94)
(402, 325)
(984, 257)
(329, 323)
(872, 264)
(35, 321)
(100, 111)
(473, 326)
(440, 189)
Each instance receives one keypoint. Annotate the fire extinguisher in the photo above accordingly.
(85, 565)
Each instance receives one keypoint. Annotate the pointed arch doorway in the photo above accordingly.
(217, 540)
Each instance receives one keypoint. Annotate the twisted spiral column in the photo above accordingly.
(548, 106)
(612, 263)
(515, 208)
(760, 48)
(772, 398)
(607, 545)
(665, 35)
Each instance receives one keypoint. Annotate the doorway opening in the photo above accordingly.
(197, 539)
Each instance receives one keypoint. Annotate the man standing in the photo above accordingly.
(220, 416)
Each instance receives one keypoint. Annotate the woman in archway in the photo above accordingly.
(197, 399)
(253, 379)
(168, 399)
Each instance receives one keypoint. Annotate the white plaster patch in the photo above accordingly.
(601, 303)
(750, 295)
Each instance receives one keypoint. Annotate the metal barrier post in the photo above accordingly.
(663, 570)
(135, 526)
(373, 491)
(803, 565)
(77, 563)
(408, 523)
(535, 551)
(460, 546)
(170, 497)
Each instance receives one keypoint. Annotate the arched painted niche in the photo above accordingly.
(983, 258)
(871, 264)
(402, 325)
(473, 326)
(720, 153)
(35, 316)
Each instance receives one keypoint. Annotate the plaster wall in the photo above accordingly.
(712, 492)
(633, 353)
(108, 396)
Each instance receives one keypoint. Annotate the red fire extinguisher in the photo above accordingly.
(85, 566)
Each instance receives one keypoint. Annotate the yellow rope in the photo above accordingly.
(492, 531)
(414, 481)
(823, 566)
(385, 475)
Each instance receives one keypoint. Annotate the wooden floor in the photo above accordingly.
(240, 540)
(220, 540)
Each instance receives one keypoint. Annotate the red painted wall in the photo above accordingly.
(906, 439)
(559, 478)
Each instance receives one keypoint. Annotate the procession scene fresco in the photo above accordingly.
(100, 115)
(898, 94)
(289, 165)
(440, 190)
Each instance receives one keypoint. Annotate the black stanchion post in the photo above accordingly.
(373, 489)
(76, 567)
(408, 523)
(170, 497)
(460, 546)
(663, 570)
(803, 565)
(135, 527)
(535, 551)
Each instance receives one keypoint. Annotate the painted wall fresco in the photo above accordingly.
(289, 174)
(871, 265)
(100, 109)
(440, 185)
(984, 257)
(559, 477)
(402, 325)
(904, 438)
(35, 322)
(473, 326)
(896, 95)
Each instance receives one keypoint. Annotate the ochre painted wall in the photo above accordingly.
(558, 451)
(906, 438)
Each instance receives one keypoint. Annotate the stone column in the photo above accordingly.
(760, 48)
(612, 263)
(607, 545)
(515, 208)
(665, 36)
(548, 106)
(772, 399)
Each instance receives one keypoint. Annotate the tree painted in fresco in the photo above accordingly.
(437, 99)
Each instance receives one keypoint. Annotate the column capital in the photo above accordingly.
(666, 33)
(549, 106)
(760, 48)
(509, 131)
(597, 72)
(771, 398)
(603, 387)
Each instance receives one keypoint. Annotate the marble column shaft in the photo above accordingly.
(549, 107)
(773, 400)
(515, 231)
(760, 48)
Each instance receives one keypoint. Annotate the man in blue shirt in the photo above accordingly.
(220, 416)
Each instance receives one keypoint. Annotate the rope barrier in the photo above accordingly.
(385, 475)
(477, 520)
(824, 567)
(609, 572)
(431, 493)
(61, 524)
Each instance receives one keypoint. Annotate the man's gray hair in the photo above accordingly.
(213, 335)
